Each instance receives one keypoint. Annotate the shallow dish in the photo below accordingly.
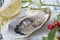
(11, 26)
(8, 28)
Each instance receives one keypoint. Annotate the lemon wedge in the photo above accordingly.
(1, 21)
(12, 9)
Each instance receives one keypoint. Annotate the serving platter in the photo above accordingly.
(42, 32)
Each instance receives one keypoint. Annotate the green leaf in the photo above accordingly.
(46, 38)
(52, 33)
(55, 38)
(58, 17)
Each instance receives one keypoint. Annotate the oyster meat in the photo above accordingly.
(27, 25)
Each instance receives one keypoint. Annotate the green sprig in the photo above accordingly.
(58, 17)
(40, 4)
(52, 33)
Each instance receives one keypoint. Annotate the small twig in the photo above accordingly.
(24, 1)
(37, 9)
(50, 5)
(40, 2)
(27, 5)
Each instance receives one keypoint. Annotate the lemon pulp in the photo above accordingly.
(12, 9)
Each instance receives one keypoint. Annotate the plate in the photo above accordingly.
(6, 33)
(6, 30)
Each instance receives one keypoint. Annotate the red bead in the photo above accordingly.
(51, 26)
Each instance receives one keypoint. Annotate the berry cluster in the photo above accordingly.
(52, 26)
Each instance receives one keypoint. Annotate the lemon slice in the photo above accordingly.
(1, 21)
(12, 9)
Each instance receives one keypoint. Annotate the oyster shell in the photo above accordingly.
(27, 25)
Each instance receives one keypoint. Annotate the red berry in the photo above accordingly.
(56, 23)
(51, 26)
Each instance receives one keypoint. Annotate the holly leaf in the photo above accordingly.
(52, 33)
(58, 17)
(46, 38)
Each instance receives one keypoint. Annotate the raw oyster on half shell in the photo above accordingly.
(27, 25)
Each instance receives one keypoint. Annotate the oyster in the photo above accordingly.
(27, 25)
